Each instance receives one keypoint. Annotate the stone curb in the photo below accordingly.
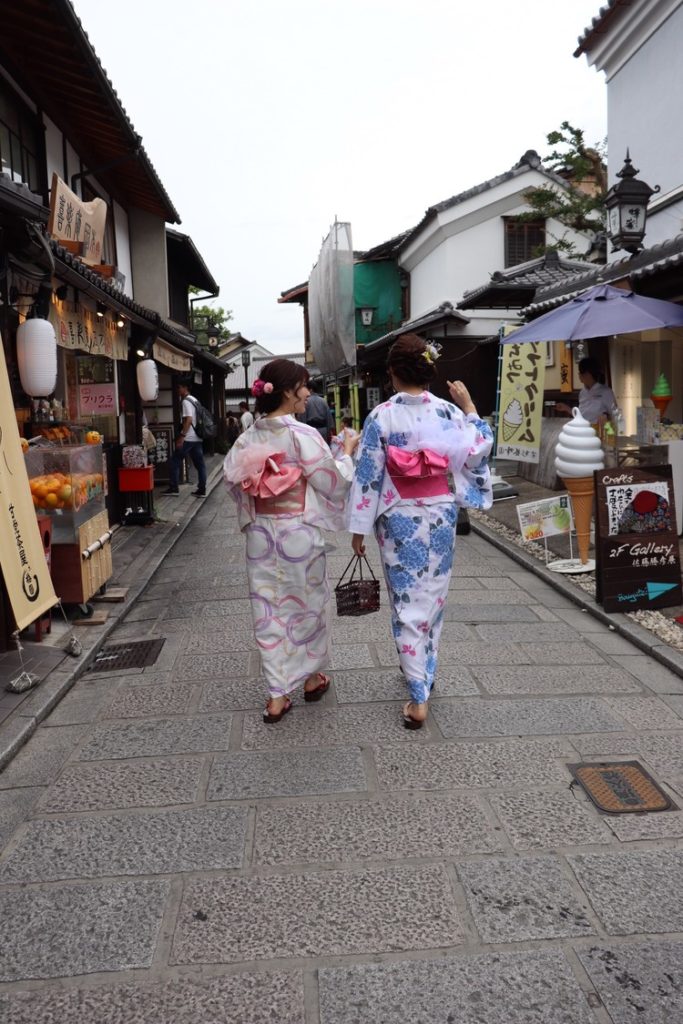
(16, 730)
(648, 642)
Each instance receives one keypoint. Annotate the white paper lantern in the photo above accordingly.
(37, 357)
(148, 380)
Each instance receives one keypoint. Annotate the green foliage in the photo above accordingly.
(206, 316)
(581, 206)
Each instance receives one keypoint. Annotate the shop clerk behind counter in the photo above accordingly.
(596, 401)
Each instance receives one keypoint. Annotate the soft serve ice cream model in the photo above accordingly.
(578, 453)
(512, 419)
(661, 394)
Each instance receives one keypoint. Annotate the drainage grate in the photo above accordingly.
(621, 787)
(133, 655)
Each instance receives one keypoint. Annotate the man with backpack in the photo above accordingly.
(188, 443)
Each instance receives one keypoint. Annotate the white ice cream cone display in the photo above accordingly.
(578, 454)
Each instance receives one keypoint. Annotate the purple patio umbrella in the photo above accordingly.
(600, 311)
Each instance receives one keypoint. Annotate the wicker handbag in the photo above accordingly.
(357, 596)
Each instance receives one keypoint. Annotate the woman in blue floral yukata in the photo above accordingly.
(420, 458)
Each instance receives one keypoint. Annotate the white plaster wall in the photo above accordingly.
(148, 260)
(53, 150)
(123, 259)
(644, 110)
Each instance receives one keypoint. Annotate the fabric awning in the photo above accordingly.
(172, 357)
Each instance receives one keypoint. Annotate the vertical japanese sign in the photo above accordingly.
(72, 220)
(566, 383)
(22, 557)
(521, 401)
(637, 554)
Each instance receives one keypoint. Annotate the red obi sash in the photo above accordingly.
(421, 474)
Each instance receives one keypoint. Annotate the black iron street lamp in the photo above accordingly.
(213, 333)
(626, 207)
(246, 360)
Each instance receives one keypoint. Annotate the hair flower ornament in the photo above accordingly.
(432, 351)
(261, 387)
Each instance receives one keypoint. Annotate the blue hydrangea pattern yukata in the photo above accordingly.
(416, 536)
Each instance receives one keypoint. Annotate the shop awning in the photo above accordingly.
(172, 357)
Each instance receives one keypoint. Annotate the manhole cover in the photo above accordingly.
(622, 787)
(133, 655)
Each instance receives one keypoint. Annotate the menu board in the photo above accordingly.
(637, 555)
(161, 454)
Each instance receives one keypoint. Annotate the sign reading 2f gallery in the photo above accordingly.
(638, 561)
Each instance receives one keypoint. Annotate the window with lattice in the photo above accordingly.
(523, 240)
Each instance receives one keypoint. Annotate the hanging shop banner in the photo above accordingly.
(545, 518)
(72, 220)
(522, 377)
(22, 557)
(171, 357)
(637, 555)
(565, 367)
(79, 328)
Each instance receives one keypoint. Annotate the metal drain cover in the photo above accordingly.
(137, 654)
(621, 787)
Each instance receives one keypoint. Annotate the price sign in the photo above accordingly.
(97, 399)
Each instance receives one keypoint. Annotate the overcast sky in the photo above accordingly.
(265, 119)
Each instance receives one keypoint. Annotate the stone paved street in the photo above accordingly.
(168, 858)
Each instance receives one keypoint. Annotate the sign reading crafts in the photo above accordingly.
(638, 561)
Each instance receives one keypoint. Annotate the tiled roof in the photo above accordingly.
(22, 200)
(439, 315)
(45, 48)
(198, 274)
(385, 250)
(528, 161)
(295, 294)
(514, 286)
(647, 263)
(599, 24)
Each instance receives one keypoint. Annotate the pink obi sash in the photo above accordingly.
(420, 474)
(277, 489)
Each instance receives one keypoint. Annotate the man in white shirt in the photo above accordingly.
(597, 402)
(187, 443)
(246, 419)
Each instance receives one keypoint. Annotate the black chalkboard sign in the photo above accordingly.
(637, 555)
(160, 456)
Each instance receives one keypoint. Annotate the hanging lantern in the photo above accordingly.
(37, 357)
(148, 380)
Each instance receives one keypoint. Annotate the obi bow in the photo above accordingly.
(404, 463)
(272, 478)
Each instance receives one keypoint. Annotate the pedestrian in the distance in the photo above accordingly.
(232, 430)
(246, 418)
(187, 443)
(408, 447)
(347, 430)
(318, 413)
(288, 488)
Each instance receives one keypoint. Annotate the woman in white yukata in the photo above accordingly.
(402, 489)
(288, 488)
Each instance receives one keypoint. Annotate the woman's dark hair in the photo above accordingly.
(592, 366)
(408, 363)
(284, 375)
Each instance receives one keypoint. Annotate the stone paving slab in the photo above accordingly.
(87, 787)
(39, 763)
(286, 773)
(471, 765)
(522, 717)
(149, 701)
(640, 983)
(127, 844)
(651, 672)
(84, 703)
(534, 987)
(636, 892)
(555, 679)
(208, 666)
(78, 929)
(533, 819)
(364, 629)
(225, 609)
(514, 900)
(568, 654)
(479, 653)
(658, 825)
(239, 694)
(394, 829)
(236, 634)
(318, 727)
(473, 597)
(644, 712)
(15, 806)
(331, 913)
(263, 998)
(475, 613)
(153, 736)
(351, 656)
(361, 687)
(537, 632)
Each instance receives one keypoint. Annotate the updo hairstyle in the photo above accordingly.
(284, 375)
(408, 363)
